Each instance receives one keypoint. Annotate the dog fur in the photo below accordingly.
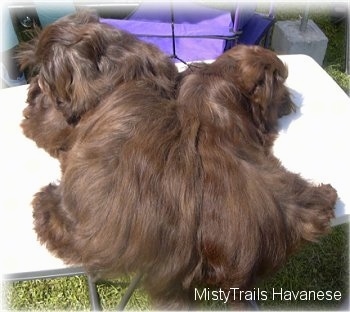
(43, 123)
(186, 190)
(254, 213)
(80, 60)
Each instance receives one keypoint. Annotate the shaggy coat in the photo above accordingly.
(254, 212)
(79, 61)
(43, 123)
(187, 190)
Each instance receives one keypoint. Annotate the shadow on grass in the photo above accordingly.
(322, 266)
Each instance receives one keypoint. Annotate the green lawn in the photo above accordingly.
(69, 293)
(322, 267)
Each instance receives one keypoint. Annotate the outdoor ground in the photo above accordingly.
(323, 266)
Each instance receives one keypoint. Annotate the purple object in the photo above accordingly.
(194, 32)
(200, 32)
(252, 26)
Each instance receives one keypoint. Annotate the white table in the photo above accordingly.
(312, 142)
(24, 169)
(315, 140)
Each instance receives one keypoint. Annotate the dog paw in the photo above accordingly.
(45, 206)
(46, 199)
(330, 194)
(52, 224)
(318, 222)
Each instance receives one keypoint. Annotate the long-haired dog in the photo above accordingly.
(184, 190)
(254, 213)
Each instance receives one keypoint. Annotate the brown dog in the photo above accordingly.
(254, 212)
(185, 191)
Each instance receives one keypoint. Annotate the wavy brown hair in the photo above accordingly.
(186, 190)
(80, 60)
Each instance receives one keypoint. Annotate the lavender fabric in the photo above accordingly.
(201, 32)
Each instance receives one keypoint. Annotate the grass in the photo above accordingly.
(49, 294)
(321, 266)
(69, 293)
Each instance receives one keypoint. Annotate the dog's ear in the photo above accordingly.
(260, 75)
(71, 56)
(51, 55)
(261, 97)
(269, 97)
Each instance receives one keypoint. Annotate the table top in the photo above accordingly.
(311, 142)
(24, 170)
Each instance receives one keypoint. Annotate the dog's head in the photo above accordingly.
(260, 76)
(80, 60)
(43, 123)
(242, 92)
